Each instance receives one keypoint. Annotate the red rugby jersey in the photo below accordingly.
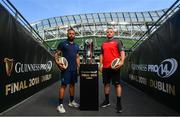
(110, 49)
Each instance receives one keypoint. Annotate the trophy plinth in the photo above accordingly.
(89, 98)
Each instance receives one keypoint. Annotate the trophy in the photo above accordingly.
(88, 54)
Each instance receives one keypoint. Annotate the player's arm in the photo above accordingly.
(57, 54)
(122, 55)
(101, 60)
(101, 63)
(122, 58)
(78, 60)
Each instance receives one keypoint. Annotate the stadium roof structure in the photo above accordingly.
(130, 25)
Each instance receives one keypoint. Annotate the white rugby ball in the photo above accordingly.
(64, 62)
(115, 62)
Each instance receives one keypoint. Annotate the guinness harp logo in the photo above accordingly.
(8, 65)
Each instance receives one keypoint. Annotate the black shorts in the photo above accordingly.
(109, 75)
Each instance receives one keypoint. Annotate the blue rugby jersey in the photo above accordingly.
(69, 51)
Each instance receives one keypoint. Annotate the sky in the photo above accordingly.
(35, 10)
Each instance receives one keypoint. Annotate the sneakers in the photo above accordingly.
(119, 108)
(105, 104)
(73, 104)
(61, 109)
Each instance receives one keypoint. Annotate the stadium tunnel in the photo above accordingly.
(29, 75)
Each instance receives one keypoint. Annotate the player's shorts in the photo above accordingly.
(109, 75)
(68, 77)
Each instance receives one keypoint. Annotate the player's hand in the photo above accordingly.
(61, 66)
(118, 66)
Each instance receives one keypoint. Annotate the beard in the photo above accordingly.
(71, 39)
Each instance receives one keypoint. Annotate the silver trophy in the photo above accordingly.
(88, 54)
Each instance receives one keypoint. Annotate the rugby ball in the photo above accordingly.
(64, 62)
(115, 62)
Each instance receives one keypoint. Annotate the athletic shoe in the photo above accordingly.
(119, 108)
(105, 104)
(73, 104)
(61, 109)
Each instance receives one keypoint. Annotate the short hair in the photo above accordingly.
(110, 28)
(70, 29)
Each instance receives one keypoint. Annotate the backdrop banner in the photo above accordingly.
(25, 65)
(154, 66)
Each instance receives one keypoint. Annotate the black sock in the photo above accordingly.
(107, 97)
(71, 98)
(118, 101)
(60, 101)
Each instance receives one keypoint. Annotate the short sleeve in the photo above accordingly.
(120, 46)
(60, 46)
(102, 49)
(77, 46)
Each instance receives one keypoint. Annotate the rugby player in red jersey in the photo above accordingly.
(111, 49)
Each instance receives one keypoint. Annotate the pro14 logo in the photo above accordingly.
(165, 69)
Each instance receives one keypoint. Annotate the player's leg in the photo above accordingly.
(64, 82)
(118, 88)
(106, 82)
(73, 81)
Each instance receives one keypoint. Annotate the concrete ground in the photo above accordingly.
(134, 101)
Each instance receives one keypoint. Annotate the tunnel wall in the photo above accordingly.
(154, 66)
(26, 67)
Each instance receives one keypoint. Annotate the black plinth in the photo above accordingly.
(89, 98)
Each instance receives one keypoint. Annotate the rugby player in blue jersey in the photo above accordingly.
(69, 50)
